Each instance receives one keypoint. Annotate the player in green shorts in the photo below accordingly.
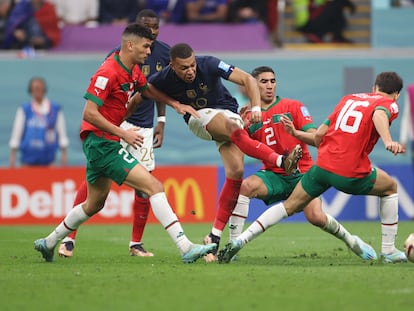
(107, 105)
(344, 142)
(272, 184)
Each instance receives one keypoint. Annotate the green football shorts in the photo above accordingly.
(106, 158)
(279, 187)
(317, 180)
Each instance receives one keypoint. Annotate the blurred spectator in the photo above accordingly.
(77, 12)
(206, 11)
(242, 11)
(32, 23)
(5, 9)
(119, 12)
(316, 18)
(265, 11)
(402, 3)
(39, 129)
(169, 11)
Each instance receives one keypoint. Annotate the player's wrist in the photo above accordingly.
(161, 119)
(256, 109)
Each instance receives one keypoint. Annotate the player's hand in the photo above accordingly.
(395, 147)
(158, 135)
(183, 109)
(256, 116)
(288, 125)
(133, 138)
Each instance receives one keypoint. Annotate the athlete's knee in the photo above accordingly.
(248, 188)
(314, 214)
(141, 194)
(155, 187)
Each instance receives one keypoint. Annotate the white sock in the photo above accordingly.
(333, 227)
(165, 215)
(238, 217)
(73, 219)
(216, 232)
(270, 217)
(389, 222)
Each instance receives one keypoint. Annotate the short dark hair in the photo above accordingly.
(138, 30)
(181, 50)
(258, 70)
(37, 78)
(146, 13)
(389, 82)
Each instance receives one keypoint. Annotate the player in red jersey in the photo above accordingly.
(106, 107)
(142, 121)
(345, 140)
(272, 184)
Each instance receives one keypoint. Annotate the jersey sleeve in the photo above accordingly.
(100, 86)
(391, 108)
(219, 67)
(303, 116)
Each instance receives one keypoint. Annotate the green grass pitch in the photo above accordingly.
(292, 266)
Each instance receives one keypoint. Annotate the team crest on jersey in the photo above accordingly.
(145, 70)
(101, 82)
(203, 88)
(158, 66)
(191, 93)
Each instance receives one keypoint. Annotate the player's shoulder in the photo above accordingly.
(291, 101)
(207, 59)
(161, 45)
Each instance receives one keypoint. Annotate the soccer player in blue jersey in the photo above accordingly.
(143, 119)
(197, 81)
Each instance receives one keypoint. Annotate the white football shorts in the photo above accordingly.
(198, 126)
(145, 153)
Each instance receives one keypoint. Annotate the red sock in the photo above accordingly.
(140, 214)
(227, 202)
(80, 197)
(254, 148)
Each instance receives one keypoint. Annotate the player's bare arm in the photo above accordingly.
(92, 115)
(307, 137)
(320, 133)
(132, 104)
(382, 126)
(159, 129)
(241, 77)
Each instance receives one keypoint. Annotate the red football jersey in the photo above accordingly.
(110, 88)
(351, 134)
(272, 133)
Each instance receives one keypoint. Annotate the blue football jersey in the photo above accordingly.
(206, 91)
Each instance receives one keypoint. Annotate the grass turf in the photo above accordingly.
(293, 266)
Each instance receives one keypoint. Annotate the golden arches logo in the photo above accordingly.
(181, 191)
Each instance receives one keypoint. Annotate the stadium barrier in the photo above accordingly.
(45, 195)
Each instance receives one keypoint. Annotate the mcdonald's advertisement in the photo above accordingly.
(46, 195)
